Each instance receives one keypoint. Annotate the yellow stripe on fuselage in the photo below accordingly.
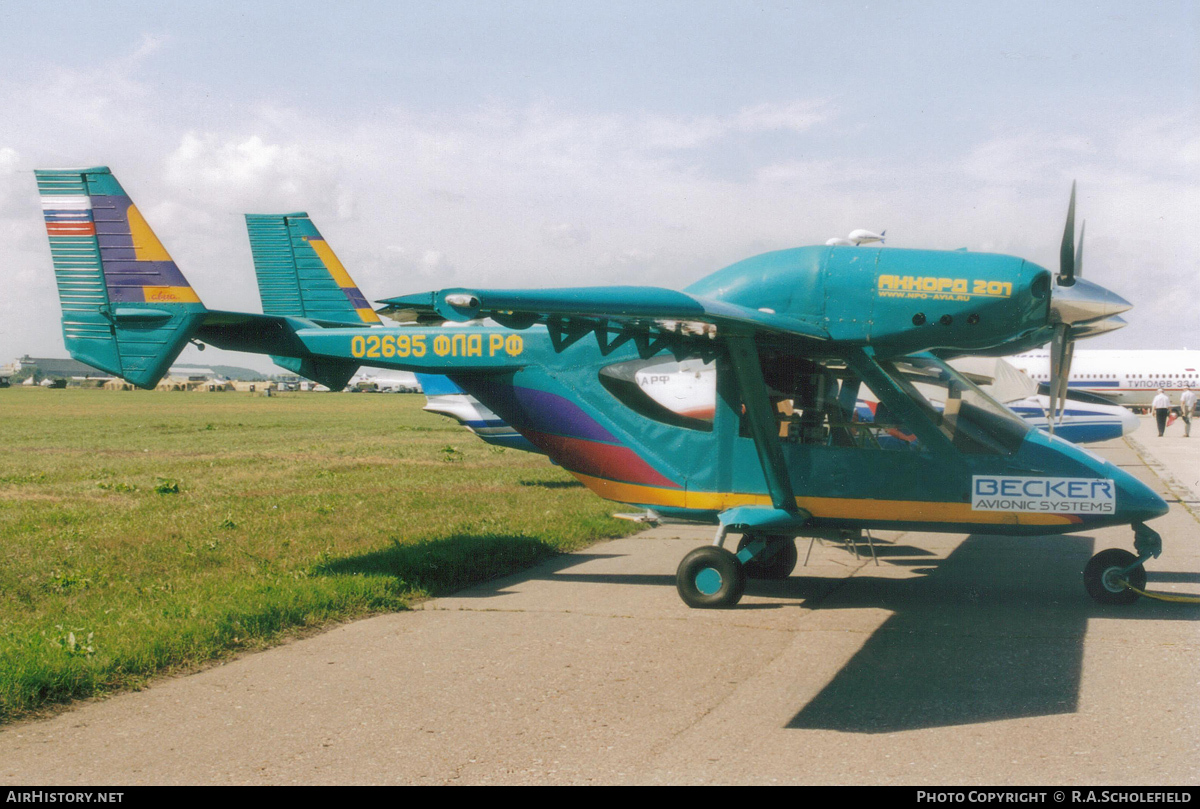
(843, 508)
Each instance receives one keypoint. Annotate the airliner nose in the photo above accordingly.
(1129, 421)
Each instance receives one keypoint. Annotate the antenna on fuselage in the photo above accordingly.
(857, 237)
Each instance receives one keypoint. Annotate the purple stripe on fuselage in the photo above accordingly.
(551, 413)
(530, 409)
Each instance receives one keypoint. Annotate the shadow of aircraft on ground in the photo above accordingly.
(963, 645)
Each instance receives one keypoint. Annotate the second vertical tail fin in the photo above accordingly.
(300, 276)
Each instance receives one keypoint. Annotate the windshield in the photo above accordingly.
(970, 418)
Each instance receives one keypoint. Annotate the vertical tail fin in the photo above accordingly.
(127, 309)
(299, 275)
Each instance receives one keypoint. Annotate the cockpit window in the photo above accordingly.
(972, 420)
(824, 403)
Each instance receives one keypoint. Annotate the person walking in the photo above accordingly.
(1162, 409)
(1187, 405)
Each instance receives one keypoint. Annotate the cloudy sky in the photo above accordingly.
(570, 143)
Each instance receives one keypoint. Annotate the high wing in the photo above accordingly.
(628, 310)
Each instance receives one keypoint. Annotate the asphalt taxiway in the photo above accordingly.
(947, 659)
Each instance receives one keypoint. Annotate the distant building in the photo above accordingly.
(51, 368)
(254, 387)
(292, 382)
(192, 373)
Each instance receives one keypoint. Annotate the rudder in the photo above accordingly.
(127, 309)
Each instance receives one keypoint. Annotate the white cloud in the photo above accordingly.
(1027, 158)
(250, 171)
(528, 195)
(10, 196)
(565, 235)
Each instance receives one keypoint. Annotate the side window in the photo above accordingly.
(682, 394)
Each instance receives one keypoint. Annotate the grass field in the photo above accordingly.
(143, 533)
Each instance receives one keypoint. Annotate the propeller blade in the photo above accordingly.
(1066, 254)
(1068, 357)
(1097, 327)
(1079, 250)
(1061, 351)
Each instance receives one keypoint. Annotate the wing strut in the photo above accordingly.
(744, 358)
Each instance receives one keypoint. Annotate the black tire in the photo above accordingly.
(777, 561)
(710, 578)
(1098, 577)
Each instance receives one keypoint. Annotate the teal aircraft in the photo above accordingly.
(796, 335)
(293, 283)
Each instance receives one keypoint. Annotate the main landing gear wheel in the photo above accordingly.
(710, 577)
(777, 561)
(1102, 580)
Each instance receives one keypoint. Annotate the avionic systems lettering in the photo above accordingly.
(1037, 494)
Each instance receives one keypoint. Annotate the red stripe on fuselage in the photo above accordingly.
(599, 460)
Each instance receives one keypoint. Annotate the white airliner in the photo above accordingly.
(386, 382)
(1129, 377)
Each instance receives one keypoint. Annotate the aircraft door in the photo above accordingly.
(841, 441)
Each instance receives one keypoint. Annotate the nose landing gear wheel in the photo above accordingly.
(1102, 580)
(777, 561)
(710, 577)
